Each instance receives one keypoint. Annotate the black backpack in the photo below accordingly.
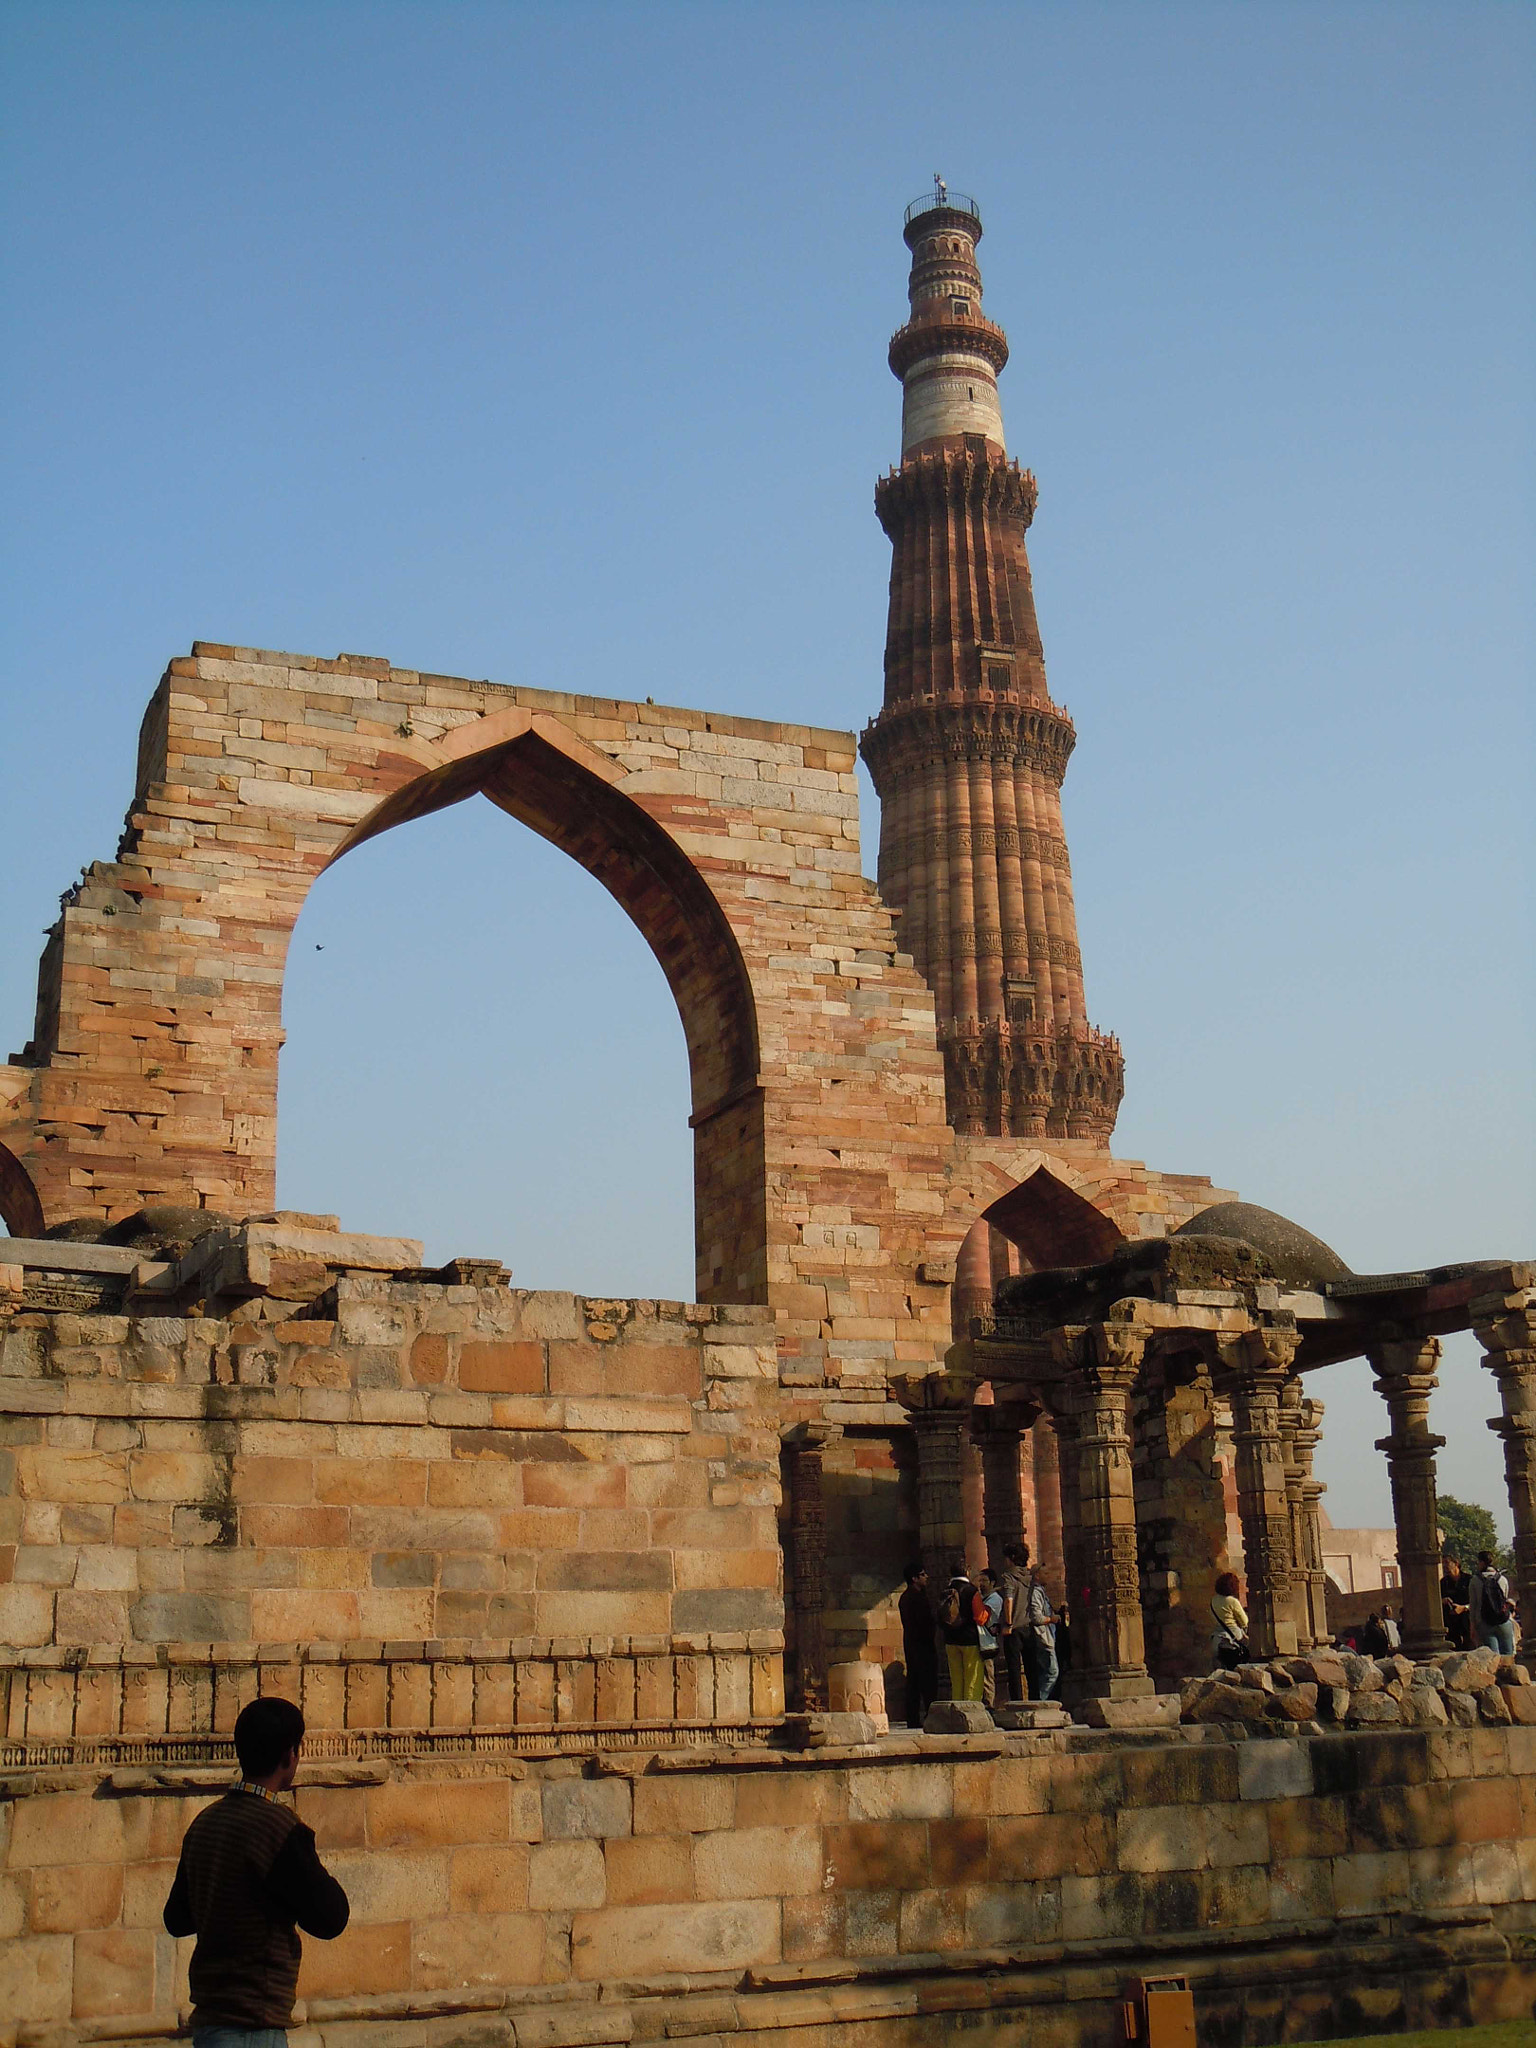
(1495, 1607)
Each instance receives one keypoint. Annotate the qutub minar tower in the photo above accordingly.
(968, 752)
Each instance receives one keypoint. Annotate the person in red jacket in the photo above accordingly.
(249, 1877)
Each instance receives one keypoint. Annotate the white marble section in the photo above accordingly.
(950, 394)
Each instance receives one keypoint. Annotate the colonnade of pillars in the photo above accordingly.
(1092, 1501)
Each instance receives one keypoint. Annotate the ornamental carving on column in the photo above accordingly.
(1506, 1328)
(1254, 1364)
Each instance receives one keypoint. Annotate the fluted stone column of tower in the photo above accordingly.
(969, 752)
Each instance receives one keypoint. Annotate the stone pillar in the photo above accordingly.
(940, 1408)
(971, 1294)
(803, 1447)
(1046, 1539)
(1108, 1653)
(1291, 1402)
(1405, 1379)
(1309, 1430)
(1257, 1364)
(1506, 1328)
(999, 1433)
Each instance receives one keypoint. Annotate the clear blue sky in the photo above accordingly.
(547, 344)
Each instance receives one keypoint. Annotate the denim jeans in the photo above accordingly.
(239, 2037)
(1043, 1671)
(1497, 1635)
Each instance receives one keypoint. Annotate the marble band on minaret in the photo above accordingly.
(968, 752)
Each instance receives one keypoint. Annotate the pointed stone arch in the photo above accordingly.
(1052, 1224)
(535, 769)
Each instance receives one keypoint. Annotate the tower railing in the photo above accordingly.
(941, 196)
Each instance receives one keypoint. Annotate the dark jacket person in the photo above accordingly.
(248, 1879)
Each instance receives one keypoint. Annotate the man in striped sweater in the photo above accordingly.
(248, 1879)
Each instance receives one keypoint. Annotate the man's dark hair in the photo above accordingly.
(1484, 1559)
(915, 1571)
(1018, 1553)
(265, 1732)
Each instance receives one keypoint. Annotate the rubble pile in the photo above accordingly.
(1337, 1689)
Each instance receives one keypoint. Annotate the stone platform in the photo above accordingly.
(1013, 1886)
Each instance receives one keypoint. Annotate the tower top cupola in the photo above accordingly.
(948, 354)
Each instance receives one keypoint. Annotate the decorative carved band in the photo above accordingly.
(1014, 1080)
(906, 738)
(990, 482)
(942, 334)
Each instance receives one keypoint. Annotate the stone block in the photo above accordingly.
(1493, 1707)
(1423, 1707)
(904, 1792)
(502, 1368)
(69, 1897)
(434, 1813)
(958, 1717)
(586, 1809)
(1297, 1702)
(1521, 1702)
(651, 1941)
(1164, 1838)
(563, 1876)
(649, 1870)
(1470, 1670)
(1274, 1770)
(485, 1948)
(1155, 1710)
(756, 1863)
(114, 1972)
(1374, 1710)
(877, 1855)
(690, 1804)
(1460, 1708)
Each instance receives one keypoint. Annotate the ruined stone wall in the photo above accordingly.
(422, 1506)
(1322, 1886)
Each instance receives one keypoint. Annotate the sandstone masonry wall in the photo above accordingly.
(418, 1506)
(1330, 1884)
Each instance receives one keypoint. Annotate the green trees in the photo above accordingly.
(1467, 1529)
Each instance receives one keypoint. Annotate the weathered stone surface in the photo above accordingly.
(1157, 1710)
(1362, 1674)
(1374, 1710)
(1460, 1708)
(1520, 1700)
(1294, 1703)
(1470, 1670)
(957, 1717)
(1492, 1706)
(1231, 1703)
(1423, 1707)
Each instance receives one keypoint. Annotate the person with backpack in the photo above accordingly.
(1490, 1610)
(1029, 1620)
(961, 1619)
(1229, 1640)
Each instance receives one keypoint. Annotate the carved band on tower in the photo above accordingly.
(968, 752)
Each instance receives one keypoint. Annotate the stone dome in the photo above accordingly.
(1295, 1254)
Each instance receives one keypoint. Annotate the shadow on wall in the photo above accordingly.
(482, 1050)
